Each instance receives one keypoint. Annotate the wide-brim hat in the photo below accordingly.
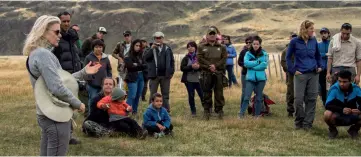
(53, 108)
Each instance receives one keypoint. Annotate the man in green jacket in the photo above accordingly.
(289, 80)
(212, 58)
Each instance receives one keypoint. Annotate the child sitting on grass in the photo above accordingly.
(156, 118)
(118, 111)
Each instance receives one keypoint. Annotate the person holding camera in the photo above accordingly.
(160, 64)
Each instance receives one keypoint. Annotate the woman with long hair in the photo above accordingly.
(134, 78)
(191, 72)
(306, 67)
(256, 62)
(230, 63)
(43, 37)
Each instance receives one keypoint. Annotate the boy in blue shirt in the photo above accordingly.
(156, 118)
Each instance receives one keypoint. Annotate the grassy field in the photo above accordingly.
(274, 135)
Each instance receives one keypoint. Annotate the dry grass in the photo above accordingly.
(274, 135)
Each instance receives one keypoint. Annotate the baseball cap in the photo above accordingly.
(158, 34)
(293, 35)
(211, 29)
(324, 29)
(127, 33)
(102, 29)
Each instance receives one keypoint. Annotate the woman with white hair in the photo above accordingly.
(44, 35)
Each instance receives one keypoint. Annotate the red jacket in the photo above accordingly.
(117, 108)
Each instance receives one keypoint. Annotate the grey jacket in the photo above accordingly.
(160, 65)
(42, 62)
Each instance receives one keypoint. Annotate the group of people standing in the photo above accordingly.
(54, 44)
(310, 66)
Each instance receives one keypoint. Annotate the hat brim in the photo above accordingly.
(45, 101)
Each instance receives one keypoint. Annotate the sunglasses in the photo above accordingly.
(66, 21)
(158, 38)
(56, 32)
(248, 42)
(127, 35)
(212, 33)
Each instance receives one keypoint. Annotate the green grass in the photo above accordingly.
(274, 135)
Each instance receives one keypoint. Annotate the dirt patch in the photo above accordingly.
(239, 18)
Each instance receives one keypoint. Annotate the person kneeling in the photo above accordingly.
(118, 111)
(342, 107)
(156, 118)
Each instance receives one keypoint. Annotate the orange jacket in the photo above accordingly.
(117, 108)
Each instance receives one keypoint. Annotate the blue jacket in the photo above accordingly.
(256, 66)
(323, 48)
(307, 57)
(152, 116)
(232, 54)
(336, 98)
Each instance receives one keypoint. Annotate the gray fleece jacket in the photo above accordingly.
(42, 62)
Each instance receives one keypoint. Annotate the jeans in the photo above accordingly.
(231, 76)
(55, 136)
(258, 88)
(191, 86)
(243, 81)
(135, 91)
(92, 91)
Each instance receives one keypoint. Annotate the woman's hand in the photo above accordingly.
(298, 73)
(92, 69)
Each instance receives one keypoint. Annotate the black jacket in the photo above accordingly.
(96, 80)
(185, 68)
(241, 60)
(134, 65)
(165, 60)
(67, 52)
(98, 115)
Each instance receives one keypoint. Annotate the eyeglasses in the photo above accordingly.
(65, 21)
(158, 38)
(248, 42)
(56, 32)
(212, 33)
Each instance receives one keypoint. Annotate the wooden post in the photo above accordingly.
(269, 68)
(274, 62)
(279, 61)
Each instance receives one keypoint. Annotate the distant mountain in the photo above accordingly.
(180, 21)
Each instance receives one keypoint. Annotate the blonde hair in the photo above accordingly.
(303, 33)
(35, 38)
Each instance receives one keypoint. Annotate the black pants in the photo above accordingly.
(145, 88)
(322, 82)
(154, 129)
(127, 125)
(191, 88)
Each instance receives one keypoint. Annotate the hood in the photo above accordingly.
(336, 86)
(103, 55)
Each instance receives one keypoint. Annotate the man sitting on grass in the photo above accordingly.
(343, 106)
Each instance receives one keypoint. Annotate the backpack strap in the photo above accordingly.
(27, 67)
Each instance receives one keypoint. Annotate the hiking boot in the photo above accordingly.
(332, 132)
(74, 141)
(220, 114)
(207, 115)
(143, 134)
(353, 131)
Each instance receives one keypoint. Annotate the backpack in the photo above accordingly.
(265, 109)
